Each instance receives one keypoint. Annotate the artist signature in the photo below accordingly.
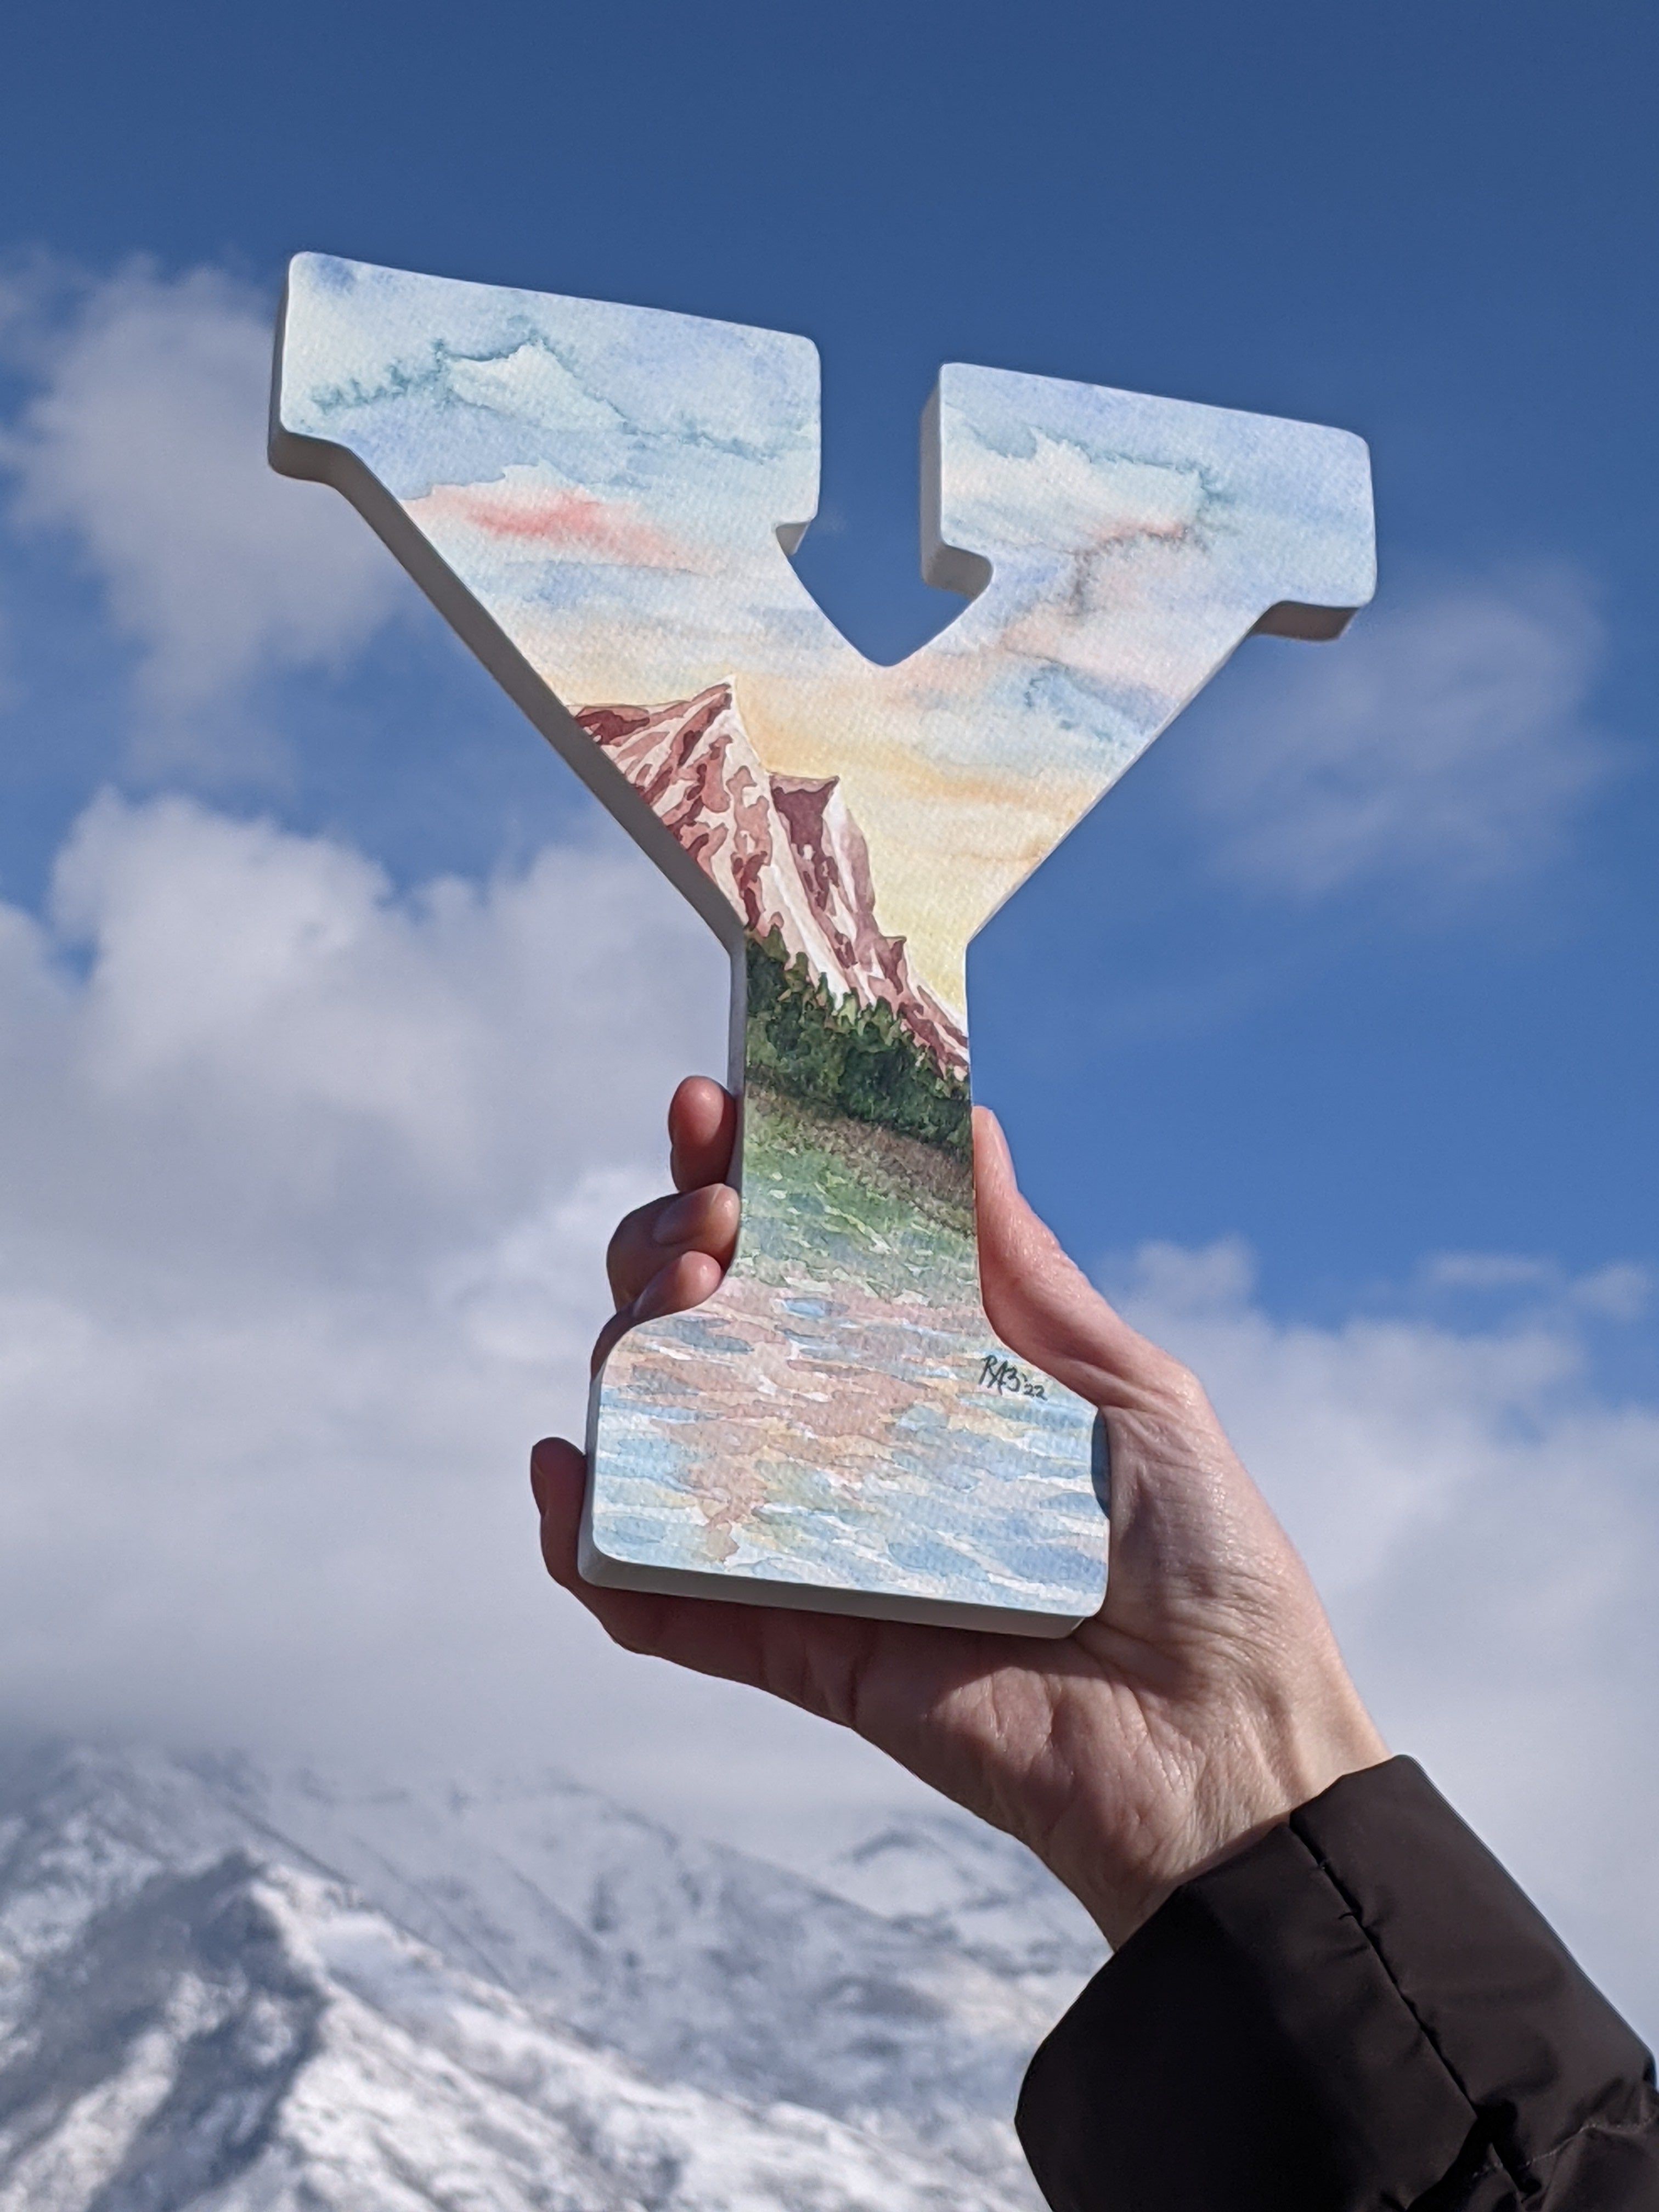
(1000, 1374)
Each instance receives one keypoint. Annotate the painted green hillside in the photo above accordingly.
(857, 1061)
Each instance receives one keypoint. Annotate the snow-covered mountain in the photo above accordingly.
(944, 1876)
(230, 1990)
(785, 849)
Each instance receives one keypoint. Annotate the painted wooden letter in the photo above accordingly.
(601, 500)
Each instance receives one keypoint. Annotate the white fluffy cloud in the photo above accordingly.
(305, 1184)
(145, 440)
(302, 1202)
(1483, 1524)
(1445, 741)
(301, 1207)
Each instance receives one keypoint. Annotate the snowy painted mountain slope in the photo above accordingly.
(786, 850)
(679, 1963)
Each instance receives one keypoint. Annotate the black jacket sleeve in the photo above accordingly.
(1360, 2013)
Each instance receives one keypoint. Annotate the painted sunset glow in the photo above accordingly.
(609, 481)
(608, 484)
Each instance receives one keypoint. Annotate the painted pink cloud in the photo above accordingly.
(576, 525)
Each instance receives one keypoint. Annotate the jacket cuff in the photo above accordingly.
(1355, 2008)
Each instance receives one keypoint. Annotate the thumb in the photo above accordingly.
(1041, 1303)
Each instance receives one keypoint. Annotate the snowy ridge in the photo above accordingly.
(948, 1877)
(221, 1990)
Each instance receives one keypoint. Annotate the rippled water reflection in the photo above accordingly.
(841, 1415)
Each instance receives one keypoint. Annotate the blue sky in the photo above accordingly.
(1432, 226)
(1329, 1038)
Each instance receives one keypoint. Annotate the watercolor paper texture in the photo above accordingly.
(600, 499)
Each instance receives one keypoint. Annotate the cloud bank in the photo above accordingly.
(306, 1183)
(302, 1212)
(144, 441)
(1483, 1522)
(1446, 744)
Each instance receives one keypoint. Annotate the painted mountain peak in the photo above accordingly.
(786, 851)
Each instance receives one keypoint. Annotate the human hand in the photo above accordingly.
(1203, 1702)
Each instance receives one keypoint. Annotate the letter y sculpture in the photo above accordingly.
(602, 501)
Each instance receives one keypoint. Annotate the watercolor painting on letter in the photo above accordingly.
(603, 499)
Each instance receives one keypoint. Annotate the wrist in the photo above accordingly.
(1256, 1771)
(1288, 1773)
